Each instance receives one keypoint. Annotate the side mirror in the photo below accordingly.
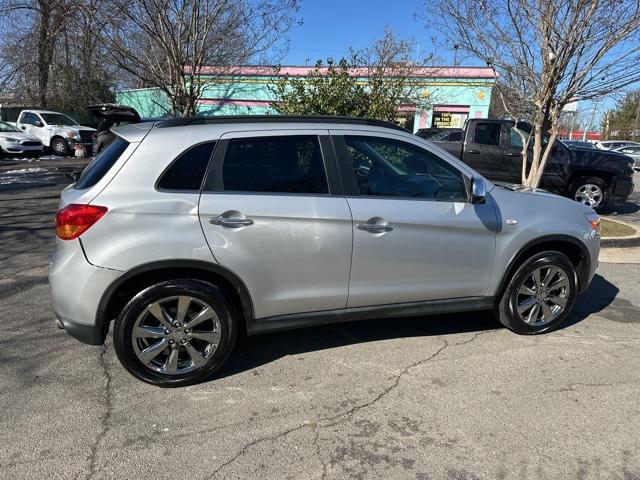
(478, 190)
(38, 123)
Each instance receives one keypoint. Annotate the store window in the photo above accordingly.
(450, 116)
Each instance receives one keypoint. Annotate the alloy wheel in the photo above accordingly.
(59, 147)
(543, 295)
(589, 194)
(176, 335)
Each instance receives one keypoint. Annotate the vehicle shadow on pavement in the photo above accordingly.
(600, 295)
(623, 209)
(253, 352)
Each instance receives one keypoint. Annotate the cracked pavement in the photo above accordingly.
(449, 396)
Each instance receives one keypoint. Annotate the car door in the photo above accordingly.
(27, 123)
(415, 235)
(270, 214)
(485, 152)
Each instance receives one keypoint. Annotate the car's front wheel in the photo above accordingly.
(539, 295)
(60, 147)
(175, 333)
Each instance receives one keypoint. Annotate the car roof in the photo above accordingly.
(281, 119)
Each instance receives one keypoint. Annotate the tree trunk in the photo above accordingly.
(44, 52)
(537, 152)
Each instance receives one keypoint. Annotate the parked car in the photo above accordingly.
(613, 144)
(190, 230)
(594, 177)
(441, 134)
(632, 151)
(14, 142)
(110, 115)
(578, 143)
(56, 131)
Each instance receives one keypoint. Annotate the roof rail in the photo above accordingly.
(221, 119)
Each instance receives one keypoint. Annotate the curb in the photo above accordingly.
(621, 242)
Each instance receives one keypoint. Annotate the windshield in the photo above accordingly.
(58, 119)
(7, 127)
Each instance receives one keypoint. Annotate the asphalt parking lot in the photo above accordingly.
(451, 396)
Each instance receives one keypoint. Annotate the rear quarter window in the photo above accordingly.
(187, 171)
(100, 165)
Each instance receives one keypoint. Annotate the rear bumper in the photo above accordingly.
(76, 289)
(90, 334)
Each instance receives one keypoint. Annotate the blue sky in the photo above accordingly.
(330, 27)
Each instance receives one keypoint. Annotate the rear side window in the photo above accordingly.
(101, 164)
(187, 171)
(286, 164)
(487, 133)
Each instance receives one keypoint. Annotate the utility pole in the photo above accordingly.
(635, 127)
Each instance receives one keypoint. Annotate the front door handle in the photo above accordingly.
(375, 225)
(514, 155)
(475, 152)
(231, 220)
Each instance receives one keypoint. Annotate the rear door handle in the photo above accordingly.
(514, 155)
(475, 152)
(231, 220)
(374, 228)
(375, 225)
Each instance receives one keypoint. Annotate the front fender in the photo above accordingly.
(527, 219)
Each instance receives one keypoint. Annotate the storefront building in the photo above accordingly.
(450, 95)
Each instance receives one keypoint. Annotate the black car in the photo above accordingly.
(110, 115)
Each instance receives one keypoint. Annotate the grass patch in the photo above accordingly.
(611, 228)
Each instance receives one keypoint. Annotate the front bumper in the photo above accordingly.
(622, 189)
(18, 148)
(76, 290)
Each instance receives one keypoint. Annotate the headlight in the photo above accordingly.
(12, 140)
(73, 135)
(594, 221)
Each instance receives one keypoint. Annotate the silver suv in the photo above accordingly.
(189, 231)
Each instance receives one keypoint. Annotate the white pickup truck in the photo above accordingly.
(56, 131)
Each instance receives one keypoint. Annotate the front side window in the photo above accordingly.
(393, 168)
(30, 118)
(187, 171)
(279, 164)
(487, 133)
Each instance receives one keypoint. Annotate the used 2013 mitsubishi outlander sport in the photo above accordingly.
(186, 231)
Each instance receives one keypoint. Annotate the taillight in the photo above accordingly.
(73, 220)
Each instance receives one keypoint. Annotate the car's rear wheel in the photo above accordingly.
(539, 295)
(175, 333)
(60, 147)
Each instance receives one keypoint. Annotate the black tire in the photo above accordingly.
(135, 308)
(582, 182)
(59, 146)
(506, 308)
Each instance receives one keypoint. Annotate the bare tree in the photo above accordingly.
(391, 74)
(34, 27)
(551, 52)
(169, 44)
